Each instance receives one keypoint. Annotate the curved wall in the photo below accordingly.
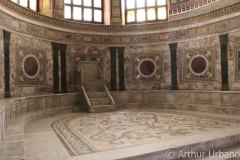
(32, 32)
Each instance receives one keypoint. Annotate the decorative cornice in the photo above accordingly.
(106, 35)
(128, 28)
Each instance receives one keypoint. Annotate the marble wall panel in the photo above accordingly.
(75, 51)
(71, 100)
(30, 66)
(230, 99)
(1, 65)
(16, 108)
(216, 98)
(144, 51)
(200, 83)
(3, 120)
(52, 102)
(155, 98)
(235, 100)
(17, 89)
(203, 98)
(234, 60)
(132, 97)
(202, 101)
(170, 97)
(25, 104)
(185, 98)
(127, 97)
(34, 104)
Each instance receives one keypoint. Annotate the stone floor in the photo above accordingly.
(121, 134)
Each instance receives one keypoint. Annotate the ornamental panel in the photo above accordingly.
(237, 63)
(30, 66)
(148, 68)
(198, 65)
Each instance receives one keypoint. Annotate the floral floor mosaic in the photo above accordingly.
(90, 133)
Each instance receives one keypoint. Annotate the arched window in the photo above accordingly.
(139, 11)
(84, 10)
(31, 4)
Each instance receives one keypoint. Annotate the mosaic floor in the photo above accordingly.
(124, 134)
(90, 133)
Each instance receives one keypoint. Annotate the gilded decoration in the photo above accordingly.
(237, 63)
(30, 66)
(198, 65)
(148, 68)
(91, 133)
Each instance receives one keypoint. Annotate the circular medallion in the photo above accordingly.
(147, 67)
(30, 66)
(198, 65)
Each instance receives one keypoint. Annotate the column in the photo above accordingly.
(121, 68)
(224, 61)
(55, 68)
(63, 49)
(113, 52)
(6, 37)
(173, 49)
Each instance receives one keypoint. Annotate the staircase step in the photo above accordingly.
(94, 95)
(94, 87)
(100, 101)
(93, 81)
(102, 108)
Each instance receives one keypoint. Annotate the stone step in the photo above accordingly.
(94, 88)
(93, 81)
(102, 108)
(100, 101)
(95, 95)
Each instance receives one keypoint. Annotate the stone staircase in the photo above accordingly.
(97, 96)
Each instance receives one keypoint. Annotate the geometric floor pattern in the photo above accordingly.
(96, 132)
